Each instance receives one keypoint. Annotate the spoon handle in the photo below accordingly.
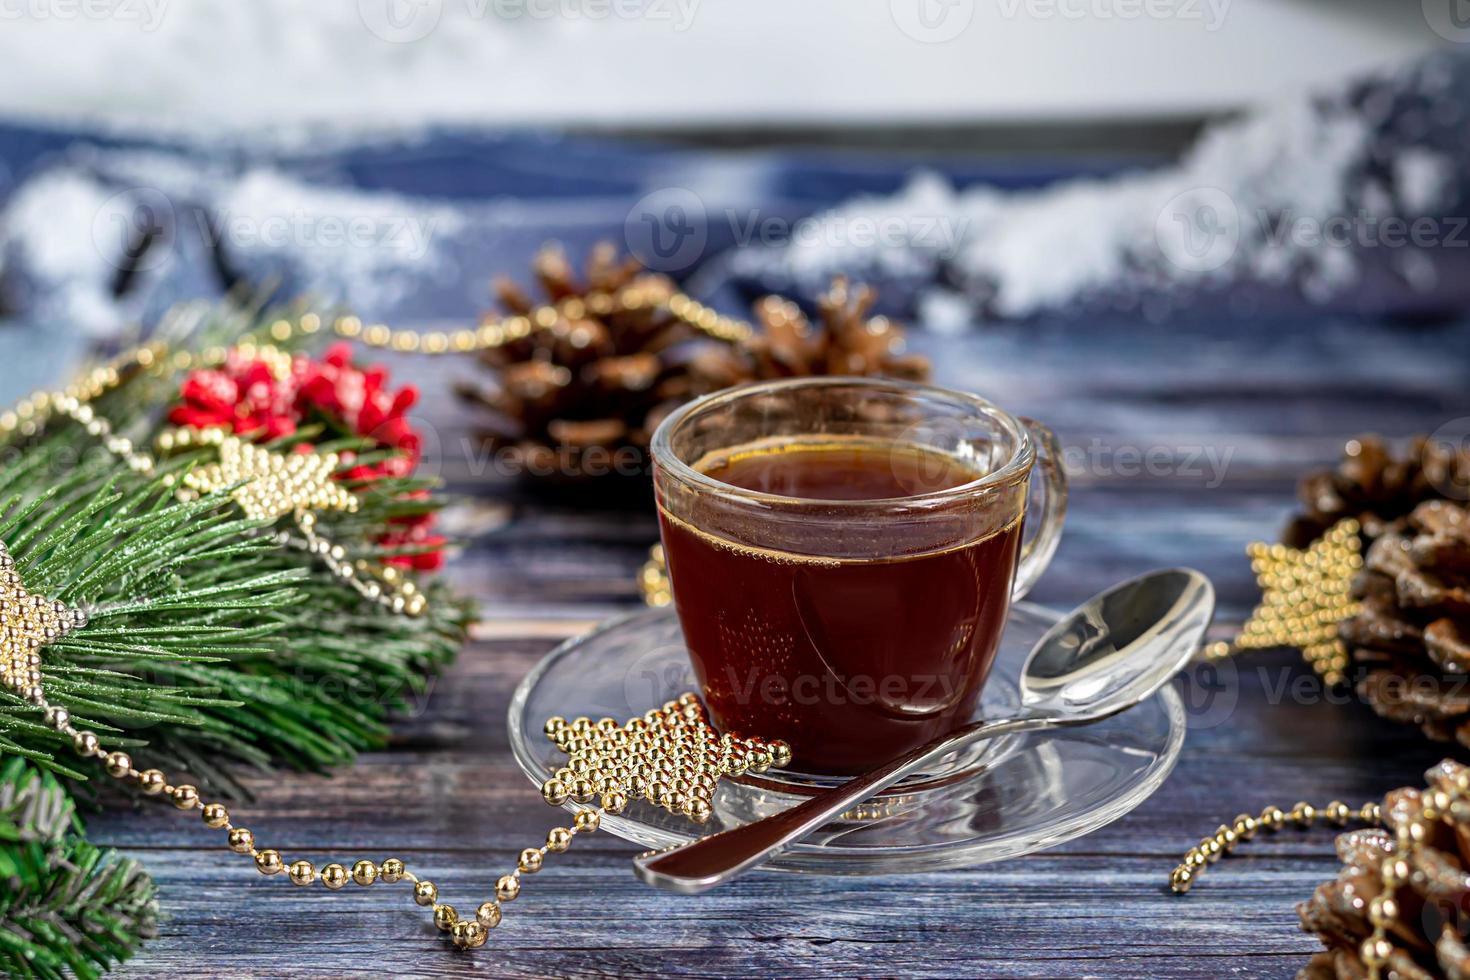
(701, 865)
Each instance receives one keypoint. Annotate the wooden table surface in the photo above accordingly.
(1184, 443)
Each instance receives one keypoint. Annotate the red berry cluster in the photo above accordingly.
(252, 399)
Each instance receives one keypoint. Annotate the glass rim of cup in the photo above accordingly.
(1014, 470)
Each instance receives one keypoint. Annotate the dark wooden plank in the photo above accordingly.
(1098, 916)
(451, 802)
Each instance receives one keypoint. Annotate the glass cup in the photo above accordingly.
(853, 629)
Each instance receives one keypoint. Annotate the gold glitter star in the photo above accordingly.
(1305, 595)
(269, 485)
(670, 756)
(653, 578)
(27, 623)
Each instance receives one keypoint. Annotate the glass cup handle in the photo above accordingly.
(1036, 553)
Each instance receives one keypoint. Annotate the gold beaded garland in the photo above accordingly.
(1395, 870)
(302, 873)
(653, 579)
(425, 893)
(1272, 818)
(85, 743)
(445, 917)
(30, 413)
(334, 876)
(468, 934)
(554, 791)
(364, 873)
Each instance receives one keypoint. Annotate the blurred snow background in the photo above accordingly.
(153, 151)
(668, 63)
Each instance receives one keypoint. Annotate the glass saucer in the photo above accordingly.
(1008, 798)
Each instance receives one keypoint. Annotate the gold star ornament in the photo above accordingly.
(1305, 596)
(267, 485)
(27, 623)
(653, 578)
(672, 757)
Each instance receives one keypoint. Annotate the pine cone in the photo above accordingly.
(1412, 636)
(1426, 930)
(1377, 487)
(580, 385)
(600, 384)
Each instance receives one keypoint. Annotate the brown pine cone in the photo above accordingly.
(1377, 487)
(579, 386)
(1426, 929)
(1412, 637)
(847, 341)
(580, 398)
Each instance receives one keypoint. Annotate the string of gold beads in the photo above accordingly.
(377, 582)
(1445, 800)
(268, 861)
(80, 411)
(1244, 827)
(492, 333)
(30, 413)
(466, 933)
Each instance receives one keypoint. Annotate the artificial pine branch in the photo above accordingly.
(209, 646)
(66, 907)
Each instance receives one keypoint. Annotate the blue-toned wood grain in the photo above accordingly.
(1271, 399)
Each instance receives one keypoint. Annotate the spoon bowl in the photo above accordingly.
(1107, 655)
(1117, 648)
